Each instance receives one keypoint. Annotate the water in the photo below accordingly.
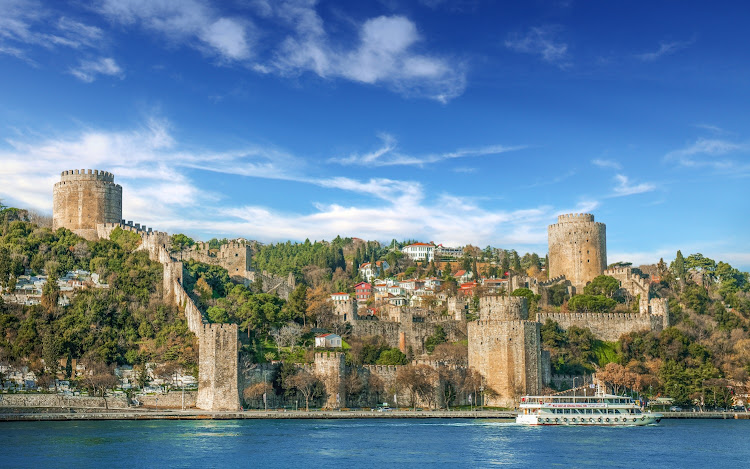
(371, 443)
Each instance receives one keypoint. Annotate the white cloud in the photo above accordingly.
(190, 22)
(89, 70)
(713, 153)
(625, 187)
(607, 164)
(540, 41)
(665, 48)
(385, 53)
(161, 192)
(388, 154)
(24, 23)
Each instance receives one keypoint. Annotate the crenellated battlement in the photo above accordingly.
(575, 217)
(86, 175)
(552, 281)
(129, 226)
(503, 308)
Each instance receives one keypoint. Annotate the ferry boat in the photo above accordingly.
(600, 409)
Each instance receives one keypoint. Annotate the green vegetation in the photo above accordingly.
(125, 324)
(591, 304)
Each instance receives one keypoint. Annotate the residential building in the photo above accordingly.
(339, 297)
(363, 291)
(328, 341)
(463, 276)
(443, 252)
(368, 271)
(419, 251)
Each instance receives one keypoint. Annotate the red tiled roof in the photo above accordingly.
(420, 244)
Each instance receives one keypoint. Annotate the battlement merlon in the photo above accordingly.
(575, 217)
(87, 175)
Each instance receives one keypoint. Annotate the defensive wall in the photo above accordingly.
(505, 348)
(171, 400)
(234, 256)
(410, 332)
(508, 355)
(577, 248)
(83, 198)
(610, 326)
(61, 401)
(282, 286)
(218, 353)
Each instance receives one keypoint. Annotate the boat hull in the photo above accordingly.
(608, 421)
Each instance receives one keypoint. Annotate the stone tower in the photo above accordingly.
(84, 198)
(577, 248)
(505, 348)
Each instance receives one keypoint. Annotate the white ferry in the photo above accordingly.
(600, 409)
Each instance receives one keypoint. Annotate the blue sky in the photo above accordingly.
(449, 121)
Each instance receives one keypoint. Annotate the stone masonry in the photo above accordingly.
(577, 248)
(505, 348)
(83, 198)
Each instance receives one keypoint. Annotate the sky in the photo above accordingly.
(459, 122)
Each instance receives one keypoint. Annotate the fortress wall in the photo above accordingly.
(407, 333)
(60, 401)
(234, 256)
(508, 356)
(218, 367)
(500, 308)
(170, 400)
(330, 368)
(605, 326)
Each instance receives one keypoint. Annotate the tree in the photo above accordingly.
(297, 302)
(435, 339)
(602, 285)
(678, 266)
(591, 303)
(419, 381)
(392, 356)
(98, 377)
(533, 300)
(304, 383)
(50, 294)
(180, 241)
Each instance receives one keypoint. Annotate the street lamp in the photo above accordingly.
(574, 386)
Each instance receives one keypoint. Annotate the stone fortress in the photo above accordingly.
(577, 248)
(82, 199)
(504, 343)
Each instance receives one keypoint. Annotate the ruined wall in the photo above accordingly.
(577, 248)
(606, 326)
(234, 256)
(282, 286)
(408, 332)
(218, 367)
(84, 198)
(631, 281)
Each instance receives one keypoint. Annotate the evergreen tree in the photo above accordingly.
(678, 266)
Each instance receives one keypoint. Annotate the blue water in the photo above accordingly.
(371, 443)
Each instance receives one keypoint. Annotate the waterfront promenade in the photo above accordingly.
(194, 414)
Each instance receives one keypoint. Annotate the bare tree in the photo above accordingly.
(419, 381)
(99, 377)
(305, 383)
(354, 385)
(287, 336)
(255, 392)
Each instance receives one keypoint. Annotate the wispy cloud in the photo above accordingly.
(186, 22)
(26, 23)
(714, 153)
(625, 187)
(389, 155)
(88, 70)
(665, 48)
(611, 164)
(541, 41)
(162, 189)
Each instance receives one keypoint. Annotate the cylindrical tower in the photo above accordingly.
(84, 198)
(577, 248)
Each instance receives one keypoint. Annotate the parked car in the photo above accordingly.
(739, 408)
(675, 408)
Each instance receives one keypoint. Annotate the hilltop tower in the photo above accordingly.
(577, 248)
(84, 198)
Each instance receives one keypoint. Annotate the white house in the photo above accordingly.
(443, 252)
(328, 341)
(340, 297)
(368, 271)
(419, 251)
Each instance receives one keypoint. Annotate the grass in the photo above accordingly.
(606, 352)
